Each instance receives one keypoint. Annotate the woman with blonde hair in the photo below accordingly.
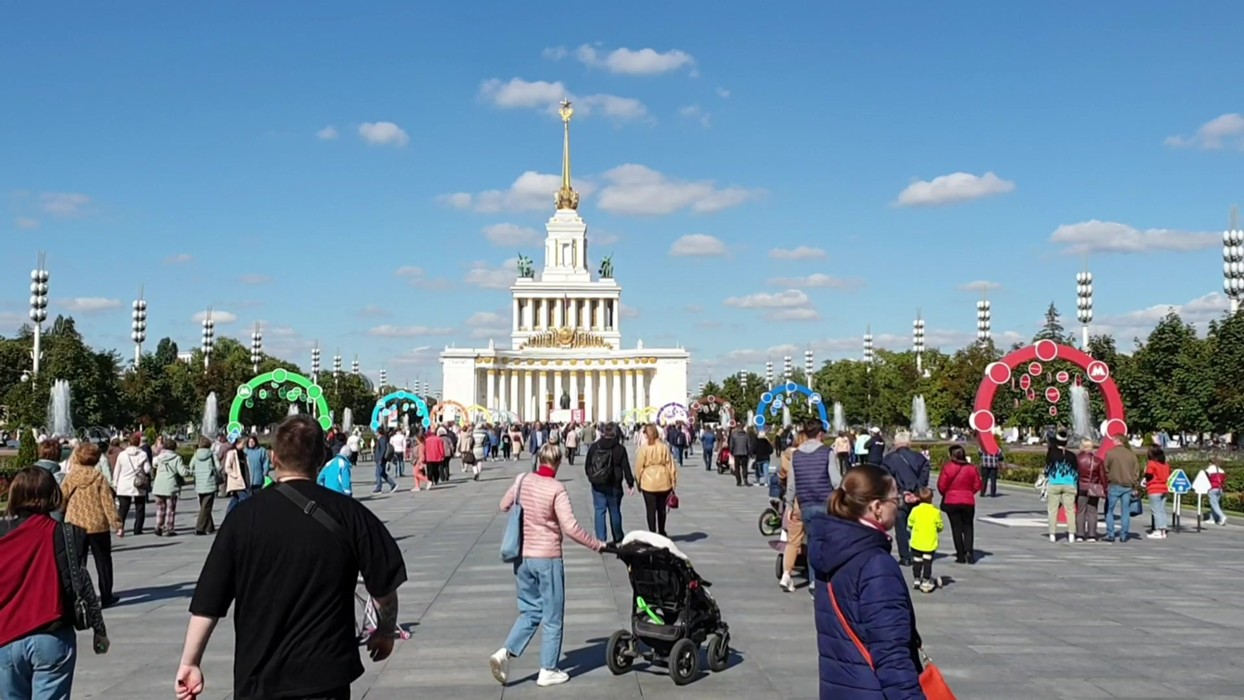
(89, 504)
(657, 476)
(539, 574)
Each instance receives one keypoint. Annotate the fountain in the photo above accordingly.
(919, 417)
(209, 425)
(1082, 414)
(347, 420)
(59, 421)
(840, 418)
(293, 409)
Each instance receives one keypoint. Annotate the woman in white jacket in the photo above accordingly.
(131, 479)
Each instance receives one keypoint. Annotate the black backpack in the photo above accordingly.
(600, 467)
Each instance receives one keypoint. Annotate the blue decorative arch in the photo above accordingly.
(410, 400)
(773, 400)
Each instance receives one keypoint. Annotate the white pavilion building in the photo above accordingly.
(566, 360)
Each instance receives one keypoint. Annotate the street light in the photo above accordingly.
(354, 366)
(984, 318)
(917, 340)
(315, 363)
(336, 365)
(384, 378)
(138, 326)
(869, 355)
(38, 309)
(209, 338)
(1084, 304)
(256, 348)
(769, 374)
(1232, 262)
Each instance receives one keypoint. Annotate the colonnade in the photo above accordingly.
(546, 313)
(605, 393)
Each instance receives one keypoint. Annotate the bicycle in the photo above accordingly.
(770, 522)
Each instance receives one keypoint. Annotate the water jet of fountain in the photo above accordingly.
(209, 424)
(347, 420)
(919, 417)
(840, 418)
(293, 409)
(1082, 414)
(60, 423)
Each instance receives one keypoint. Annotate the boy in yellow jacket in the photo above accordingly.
(925, 523)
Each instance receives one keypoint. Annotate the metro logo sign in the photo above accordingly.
(1097, 371)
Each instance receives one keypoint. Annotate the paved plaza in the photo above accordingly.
(1149, 619)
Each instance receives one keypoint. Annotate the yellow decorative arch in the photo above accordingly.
(478, 409)
(438, 412)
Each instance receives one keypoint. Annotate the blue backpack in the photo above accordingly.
(512, 540)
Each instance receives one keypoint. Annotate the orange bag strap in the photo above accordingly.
(833, 600)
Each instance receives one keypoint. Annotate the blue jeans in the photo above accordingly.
(234, 499)
(382, 477)
(608, 499)
(1215, 505)
(762, 471)
(678, 454)
(1122, 496)
(39, 665)
(541, 587)
(1157, 506)
(398, 463)
(708, 459)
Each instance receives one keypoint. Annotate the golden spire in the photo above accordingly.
(566, 197)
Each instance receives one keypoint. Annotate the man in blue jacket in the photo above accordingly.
(911, 472)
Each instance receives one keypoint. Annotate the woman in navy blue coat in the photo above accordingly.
(850, 555)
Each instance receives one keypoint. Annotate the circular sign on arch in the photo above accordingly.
(983, 420)
(773, 400)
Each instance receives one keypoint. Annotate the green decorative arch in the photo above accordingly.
(277, 379)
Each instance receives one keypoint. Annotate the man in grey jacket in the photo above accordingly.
(740, 451)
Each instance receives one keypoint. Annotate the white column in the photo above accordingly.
(526, 305)
(641, 388)
(526, 411)
(616, 393)
(491, 396)
(513, 404)
(574, 388)
(557, 387)
(516, 314)
(589, 395)
(595, 313)
(559, 313)
(542, 396)
(628, 389)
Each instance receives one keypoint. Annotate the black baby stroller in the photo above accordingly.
(672, 614)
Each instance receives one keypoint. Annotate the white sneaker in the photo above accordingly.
(500, 665)
(787, 584)
(1071, 539)
(1155, 535)
(1053, 538)
(1224, 520)
(551, 676)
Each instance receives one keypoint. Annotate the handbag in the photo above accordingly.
(931, 680)
(672, 501)
(81, 608)
(142, 480)
(1137, 508)
(512, 540)
(1095, 490)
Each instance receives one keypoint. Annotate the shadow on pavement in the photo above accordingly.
(579, 661)
(689, 537)
(153, 545)
(155, 593)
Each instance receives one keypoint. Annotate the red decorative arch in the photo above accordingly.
(998, 373)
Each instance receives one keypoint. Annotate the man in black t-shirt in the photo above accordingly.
(292, 573)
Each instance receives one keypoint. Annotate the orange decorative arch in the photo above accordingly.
(438, 411)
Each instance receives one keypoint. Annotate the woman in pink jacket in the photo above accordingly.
(540, 575)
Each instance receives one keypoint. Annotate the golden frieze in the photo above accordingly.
(563, 339)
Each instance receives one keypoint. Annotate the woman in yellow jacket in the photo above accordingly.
(657, 476)
(925, 523)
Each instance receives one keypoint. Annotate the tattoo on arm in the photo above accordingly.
(386, 613)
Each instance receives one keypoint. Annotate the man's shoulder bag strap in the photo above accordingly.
(311, 508)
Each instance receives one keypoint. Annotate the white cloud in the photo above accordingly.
(220, 317)
(544, 96)
(698, 245)
(1223, 131)
(481, 275)
(723, 93)
(417, 277)
(511, 235)
(639, 190)
(255, 279)
(1112, 237)
(817, 280)
(65, 205)
(328, 133)
(554, 53)
(25, 222)
(374, 311)
(488, 324)
(803, 252)
(696, 113)
(625, 61)
(980, 286)
(531, 191)
(952, 188)
(383, 134)
(179, 259)
(693, 309)
(1132, 324)
(89, 305)
(388, 331)
(804, 314)
(627, 311)
(415, 357)
(11, 321)
(790, 298)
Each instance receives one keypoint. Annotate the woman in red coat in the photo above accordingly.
(959, 483)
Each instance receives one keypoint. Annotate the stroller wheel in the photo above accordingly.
(718, 652)
(778, 568)
(770, 522)
(619, 654)
(684, 661)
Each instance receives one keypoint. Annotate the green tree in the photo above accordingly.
(1053, 328)
(1168, 395)
(1226, 374)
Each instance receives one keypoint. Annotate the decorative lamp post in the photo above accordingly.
(209, 338)
(1232, 262)
(769, 374)
(869, 355)
(917, 341)
(336, 365)
(787, 368)
(38, 309)
(315, 363)
(743, 381)
(1084, 305)
(384, 378)
(354, 366)
(984, 318)
(138, 327)
(256, 347)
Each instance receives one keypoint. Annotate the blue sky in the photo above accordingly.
(354, 173)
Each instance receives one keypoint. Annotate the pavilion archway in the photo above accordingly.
(404, 402)
(999, 373)
(286, 385)
(775, 399)
(713, 404)
(673, 412)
